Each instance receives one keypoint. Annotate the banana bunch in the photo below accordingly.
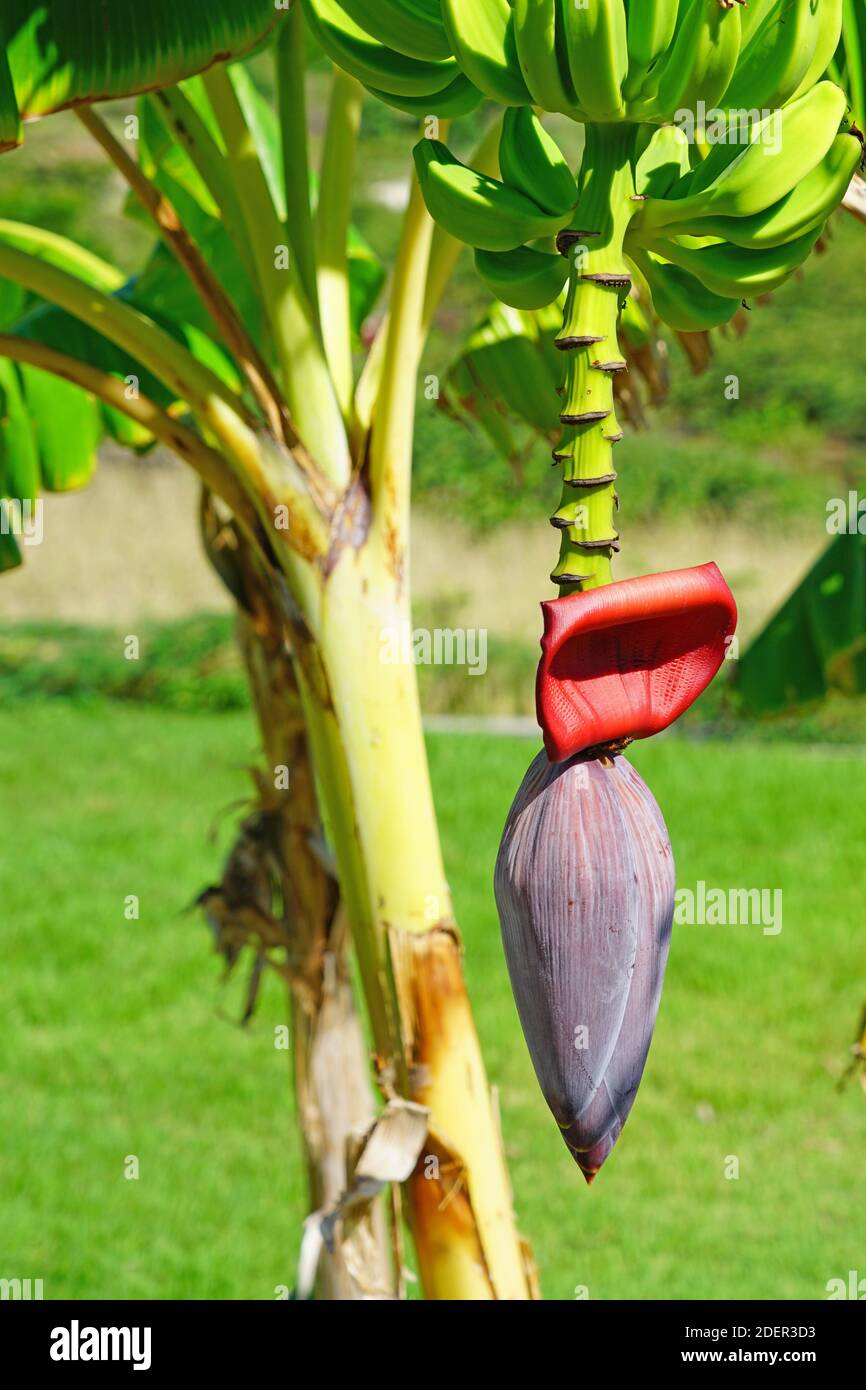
(398, 49)
(702, 233)
(700, 238)
(593, 60)
(511, 222)
(713, 156)
(740, 222)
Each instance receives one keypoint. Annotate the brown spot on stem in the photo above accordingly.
(612, 543)
(351, 524)
(569, 578)
(576, 341)
(587, 418)
(608, 278)
(571, 236)
(591, 482)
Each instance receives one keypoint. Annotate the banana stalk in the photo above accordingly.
(599, 280)
(333, 1095)
(365, 726)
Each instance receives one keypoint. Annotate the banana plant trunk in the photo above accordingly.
(364, 720)
(330, 1063)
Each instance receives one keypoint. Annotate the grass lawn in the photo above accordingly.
(114, 1043)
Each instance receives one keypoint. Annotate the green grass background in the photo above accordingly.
(115, 1040)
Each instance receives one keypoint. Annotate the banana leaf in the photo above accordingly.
(50, 429)
(10, 555)
(10, 120)
(55, 55)
(19, 456)
(816, 642)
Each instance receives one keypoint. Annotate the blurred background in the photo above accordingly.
(124, 778)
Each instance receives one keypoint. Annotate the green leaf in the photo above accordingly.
(10, 119)
(12, 302)
(261, 118)
(64, 54)
(817, 640)
(160, 154)
(19, 458)
(10, 555)
(67, 424)
(366, 278)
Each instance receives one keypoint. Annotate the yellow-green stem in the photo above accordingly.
(394, 424)
(185, 126)
(599, 279)
(366, 733)
(306, 381)
(290, 63)
(333, 215)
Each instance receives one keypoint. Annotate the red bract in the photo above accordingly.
(626, 660)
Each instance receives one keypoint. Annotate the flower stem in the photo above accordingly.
(599, 280)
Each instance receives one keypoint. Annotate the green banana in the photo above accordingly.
(702, 60)
(731, 271)
(370, 61)
(664, 160)
(808, 205)
(731, 184)
(681, 300)
(457, 99)
(828, 42)
(596, 42)
(531, 161)
(523, 278)
(481, 34)
(753, 17)
(779, 55)
(412, 27)
(540, 44)
(475, 208)
(650, 26)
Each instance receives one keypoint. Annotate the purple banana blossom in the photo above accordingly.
(585, 890)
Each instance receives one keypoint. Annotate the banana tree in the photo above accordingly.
(311, 459)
